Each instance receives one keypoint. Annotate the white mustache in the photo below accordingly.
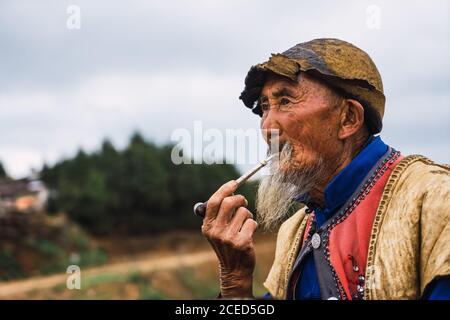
(275, 198)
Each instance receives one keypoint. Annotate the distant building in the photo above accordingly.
(24, 195)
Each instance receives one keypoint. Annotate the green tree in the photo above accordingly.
(134, 190)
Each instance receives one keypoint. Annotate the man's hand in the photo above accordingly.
(229, 227)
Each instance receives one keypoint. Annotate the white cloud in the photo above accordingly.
(114, 105)
(159, 66)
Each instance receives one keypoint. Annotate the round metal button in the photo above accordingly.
(360, 288)
(315, 241)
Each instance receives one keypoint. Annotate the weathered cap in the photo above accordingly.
(344, 67)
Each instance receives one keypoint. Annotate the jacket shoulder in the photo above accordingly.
(414, 213)
(288, 243)
(424, 166)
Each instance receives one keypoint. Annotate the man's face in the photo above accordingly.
(305, 114)
(306, 117)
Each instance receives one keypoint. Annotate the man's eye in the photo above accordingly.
(284, 101)
(264, 106)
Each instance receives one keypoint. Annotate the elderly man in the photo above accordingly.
(375, 223)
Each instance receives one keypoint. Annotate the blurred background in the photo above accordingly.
(91, 94)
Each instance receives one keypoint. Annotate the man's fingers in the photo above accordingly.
(248, 228)
(216, 199)
(228, 207)
(241, 215)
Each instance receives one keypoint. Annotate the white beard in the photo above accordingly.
(275, 198)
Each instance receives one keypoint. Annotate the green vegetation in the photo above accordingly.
(137, 190)
(44, 245)
(198, 288)
(146, 291)
(108, 286)
(9, 266)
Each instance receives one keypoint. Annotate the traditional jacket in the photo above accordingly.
(388, 241)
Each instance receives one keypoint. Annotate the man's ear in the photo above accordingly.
(352, 118)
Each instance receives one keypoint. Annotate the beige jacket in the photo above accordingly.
(410, 238)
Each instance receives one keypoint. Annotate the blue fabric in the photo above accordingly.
(267, 295)
(438, 289)
(308, 285)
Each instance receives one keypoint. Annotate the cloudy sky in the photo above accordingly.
(158, 66)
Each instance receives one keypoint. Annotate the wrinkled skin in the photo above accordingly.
(318, 123)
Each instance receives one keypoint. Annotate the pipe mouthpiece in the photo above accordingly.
(200, 209)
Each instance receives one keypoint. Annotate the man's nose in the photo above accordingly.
(268, 120)
(270, 127)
